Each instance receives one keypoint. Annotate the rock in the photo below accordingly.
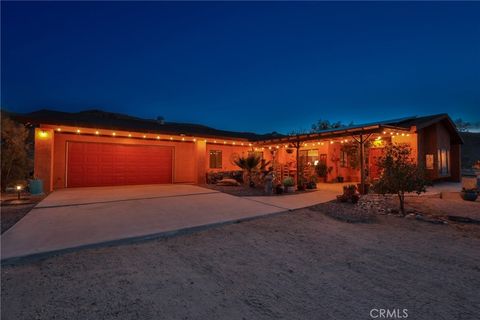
(410, 216)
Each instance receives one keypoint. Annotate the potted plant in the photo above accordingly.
(469, 194)
(312, 182)
(289, 184)
(322, 170)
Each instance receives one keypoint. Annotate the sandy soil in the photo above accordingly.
(300, 265)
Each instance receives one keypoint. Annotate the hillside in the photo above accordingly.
(471, 148)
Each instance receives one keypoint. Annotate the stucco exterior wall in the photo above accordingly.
(228, 153)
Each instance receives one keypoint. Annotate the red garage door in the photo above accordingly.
(108, 164)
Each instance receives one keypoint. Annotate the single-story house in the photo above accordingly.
(96, 148)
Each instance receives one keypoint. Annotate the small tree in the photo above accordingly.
(15, 146)
(248, 164)
(400, 174)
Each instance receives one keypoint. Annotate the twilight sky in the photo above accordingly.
(243, 66)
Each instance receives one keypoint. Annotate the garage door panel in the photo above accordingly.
(102, 164)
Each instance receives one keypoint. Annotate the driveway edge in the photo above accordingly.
(131, 240)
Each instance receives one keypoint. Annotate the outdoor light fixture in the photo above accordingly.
(78, 130)
(19, 190)
(224, 142)
(97, 133)
(158, 137)
(249, 144)
(183, 139)
(171, 138)
(43, 134)
(129, 135)
(144, 136)
(214, 141)
(114, 134)
(194, 140)
(59, 129)
(233, 143)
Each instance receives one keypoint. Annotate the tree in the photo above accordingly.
(462, 126)
(325, 125)
(248, 164)
(14, 146)
(400, 174)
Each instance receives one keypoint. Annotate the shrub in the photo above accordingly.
(288, 182)
(400, 174)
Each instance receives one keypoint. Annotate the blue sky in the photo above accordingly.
(244, 66)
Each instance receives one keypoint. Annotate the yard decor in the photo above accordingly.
(289, 184)
(350, 194)
(400, 174)
(469, 194)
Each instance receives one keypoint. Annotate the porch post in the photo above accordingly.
(297, 146)
(362, 165)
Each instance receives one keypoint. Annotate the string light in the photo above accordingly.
(171, 138)
(144, 136)
(59, 129)
(183, 139)
(158, 137)
(78, 130)
(97, 133)
(114, 134)
(194, 140)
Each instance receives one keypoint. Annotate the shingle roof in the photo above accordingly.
(115, 121)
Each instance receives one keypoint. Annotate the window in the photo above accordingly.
(215, 159)
(343, 158)
(443, 162)
(309, 157)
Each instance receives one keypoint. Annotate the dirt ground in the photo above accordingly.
(297, 265)
(12, 210)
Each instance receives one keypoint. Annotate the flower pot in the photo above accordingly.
(289, 189)
(469, 195)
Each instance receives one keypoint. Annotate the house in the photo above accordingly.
(96, 148)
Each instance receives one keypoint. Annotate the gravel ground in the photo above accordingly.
(12, 214)
(246, 191)
(300, 265)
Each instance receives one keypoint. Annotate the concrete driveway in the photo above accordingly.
(83, 217)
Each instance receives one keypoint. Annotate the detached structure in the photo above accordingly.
(96, 148)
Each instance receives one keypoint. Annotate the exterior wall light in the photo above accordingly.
(114, 134)
(59, 129)
(78, 130)
(97, 133)
(43, 134)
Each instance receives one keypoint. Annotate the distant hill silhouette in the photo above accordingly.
(471, 148)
